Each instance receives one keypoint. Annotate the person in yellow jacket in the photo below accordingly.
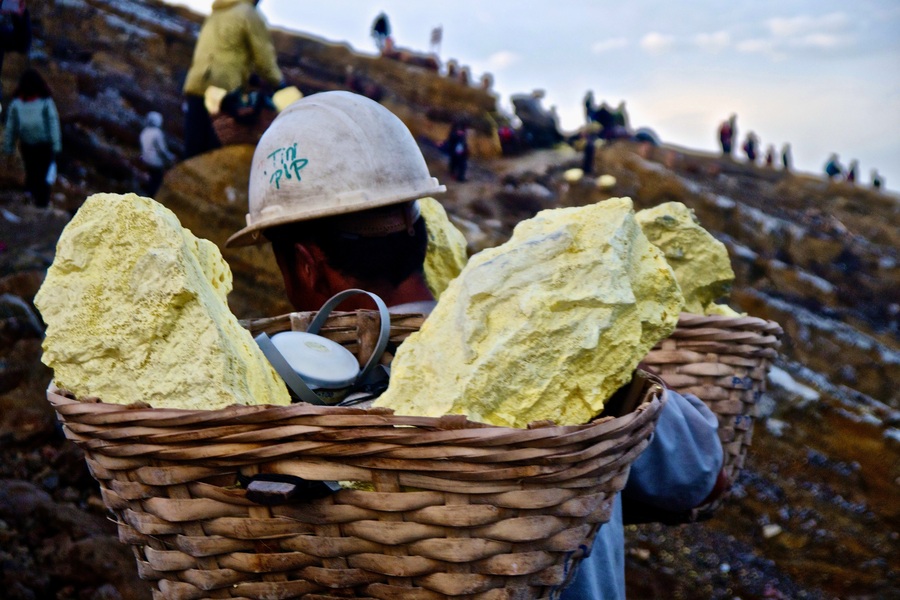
(234, 42)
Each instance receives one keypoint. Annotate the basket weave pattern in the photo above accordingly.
(456, 509)
(724, 362)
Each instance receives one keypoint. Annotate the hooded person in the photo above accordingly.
(334, 185)
(233, 43)
(155, 152)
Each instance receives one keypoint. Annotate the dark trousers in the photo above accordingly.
(37, 159)
(458, 164)
(154, 180)
(199, 135)
(587, 161)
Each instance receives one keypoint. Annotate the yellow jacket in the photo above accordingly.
(233, 43)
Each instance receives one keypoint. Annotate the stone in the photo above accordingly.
(545, 326)
(19, 499)
(135, 307)
(446, 255)
(699, 260)
(771, 530)
(573, 175)
(606, 182)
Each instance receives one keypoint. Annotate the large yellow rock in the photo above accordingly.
(546, 326)
(699, 260)
(446, 255)
(135, 310)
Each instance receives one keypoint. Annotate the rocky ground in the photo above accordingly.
(821, 481)
(815, 513)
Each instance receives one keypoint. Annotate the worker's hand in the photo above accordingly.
(722, 485)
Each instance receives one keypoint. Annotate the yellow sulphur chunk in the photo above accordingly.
(135, 307)
(545, 326)
(446, 254)
(699, 260)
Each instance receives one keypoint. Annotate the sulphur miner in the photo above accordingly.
(545, 326)
(136, 310)
(700, 261)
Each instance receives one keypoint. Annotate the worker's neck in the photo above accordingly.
(413, 289)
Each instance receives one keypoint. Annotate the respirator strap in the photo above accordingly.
(384, 332)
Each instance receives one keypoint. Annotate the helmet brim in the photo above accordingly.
(252, 235)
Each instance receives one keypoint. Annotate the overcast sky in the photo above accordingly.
(821, 74)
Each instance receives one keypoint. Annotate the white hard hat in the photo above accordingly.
(330, 154)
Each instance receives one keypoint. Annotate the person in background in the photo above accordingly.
(487, 82)
(233, 43)
(833, 167)
(452, 69)
(590, 107)
(465, 75)
(621, 117)
(589, 133)
(457, 148)
(15, 33)
(877, 180)
(323, 246)
(786, 157)
(851, 171)
(381, 30)
(155, 153)
(34, 123)
(770, 156)
(751, 146)
(727, 135)
(604, 115)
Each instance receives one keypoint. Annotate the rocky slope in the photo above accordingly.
(823, 475)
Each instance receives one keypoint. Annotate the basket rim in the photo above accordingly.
(757, 324)
(95, 412)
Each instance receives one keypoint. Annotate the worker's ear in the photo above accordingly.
(309, 265)
(301, 272)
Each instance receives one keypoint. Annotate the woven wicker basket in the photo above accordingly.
(724, 362)
(230, 132)
(456, 509)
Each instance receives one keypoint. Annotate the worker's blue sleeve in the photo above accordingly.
(676, 471)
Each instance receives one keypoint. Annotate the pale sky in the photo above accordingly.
(821, 74)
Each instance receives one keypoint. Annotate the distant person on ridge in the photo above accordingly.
(851, 171)
(233, 43)
(750, 147)
(381, 30)
(786, 157)
(589, 133)
(590, 107)
(620, 116)
(604, 115)
(833, 168)
(770, 156)
(727, 134)
(34, 123)
(877, 180)
(155, 153)
(457, 147)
